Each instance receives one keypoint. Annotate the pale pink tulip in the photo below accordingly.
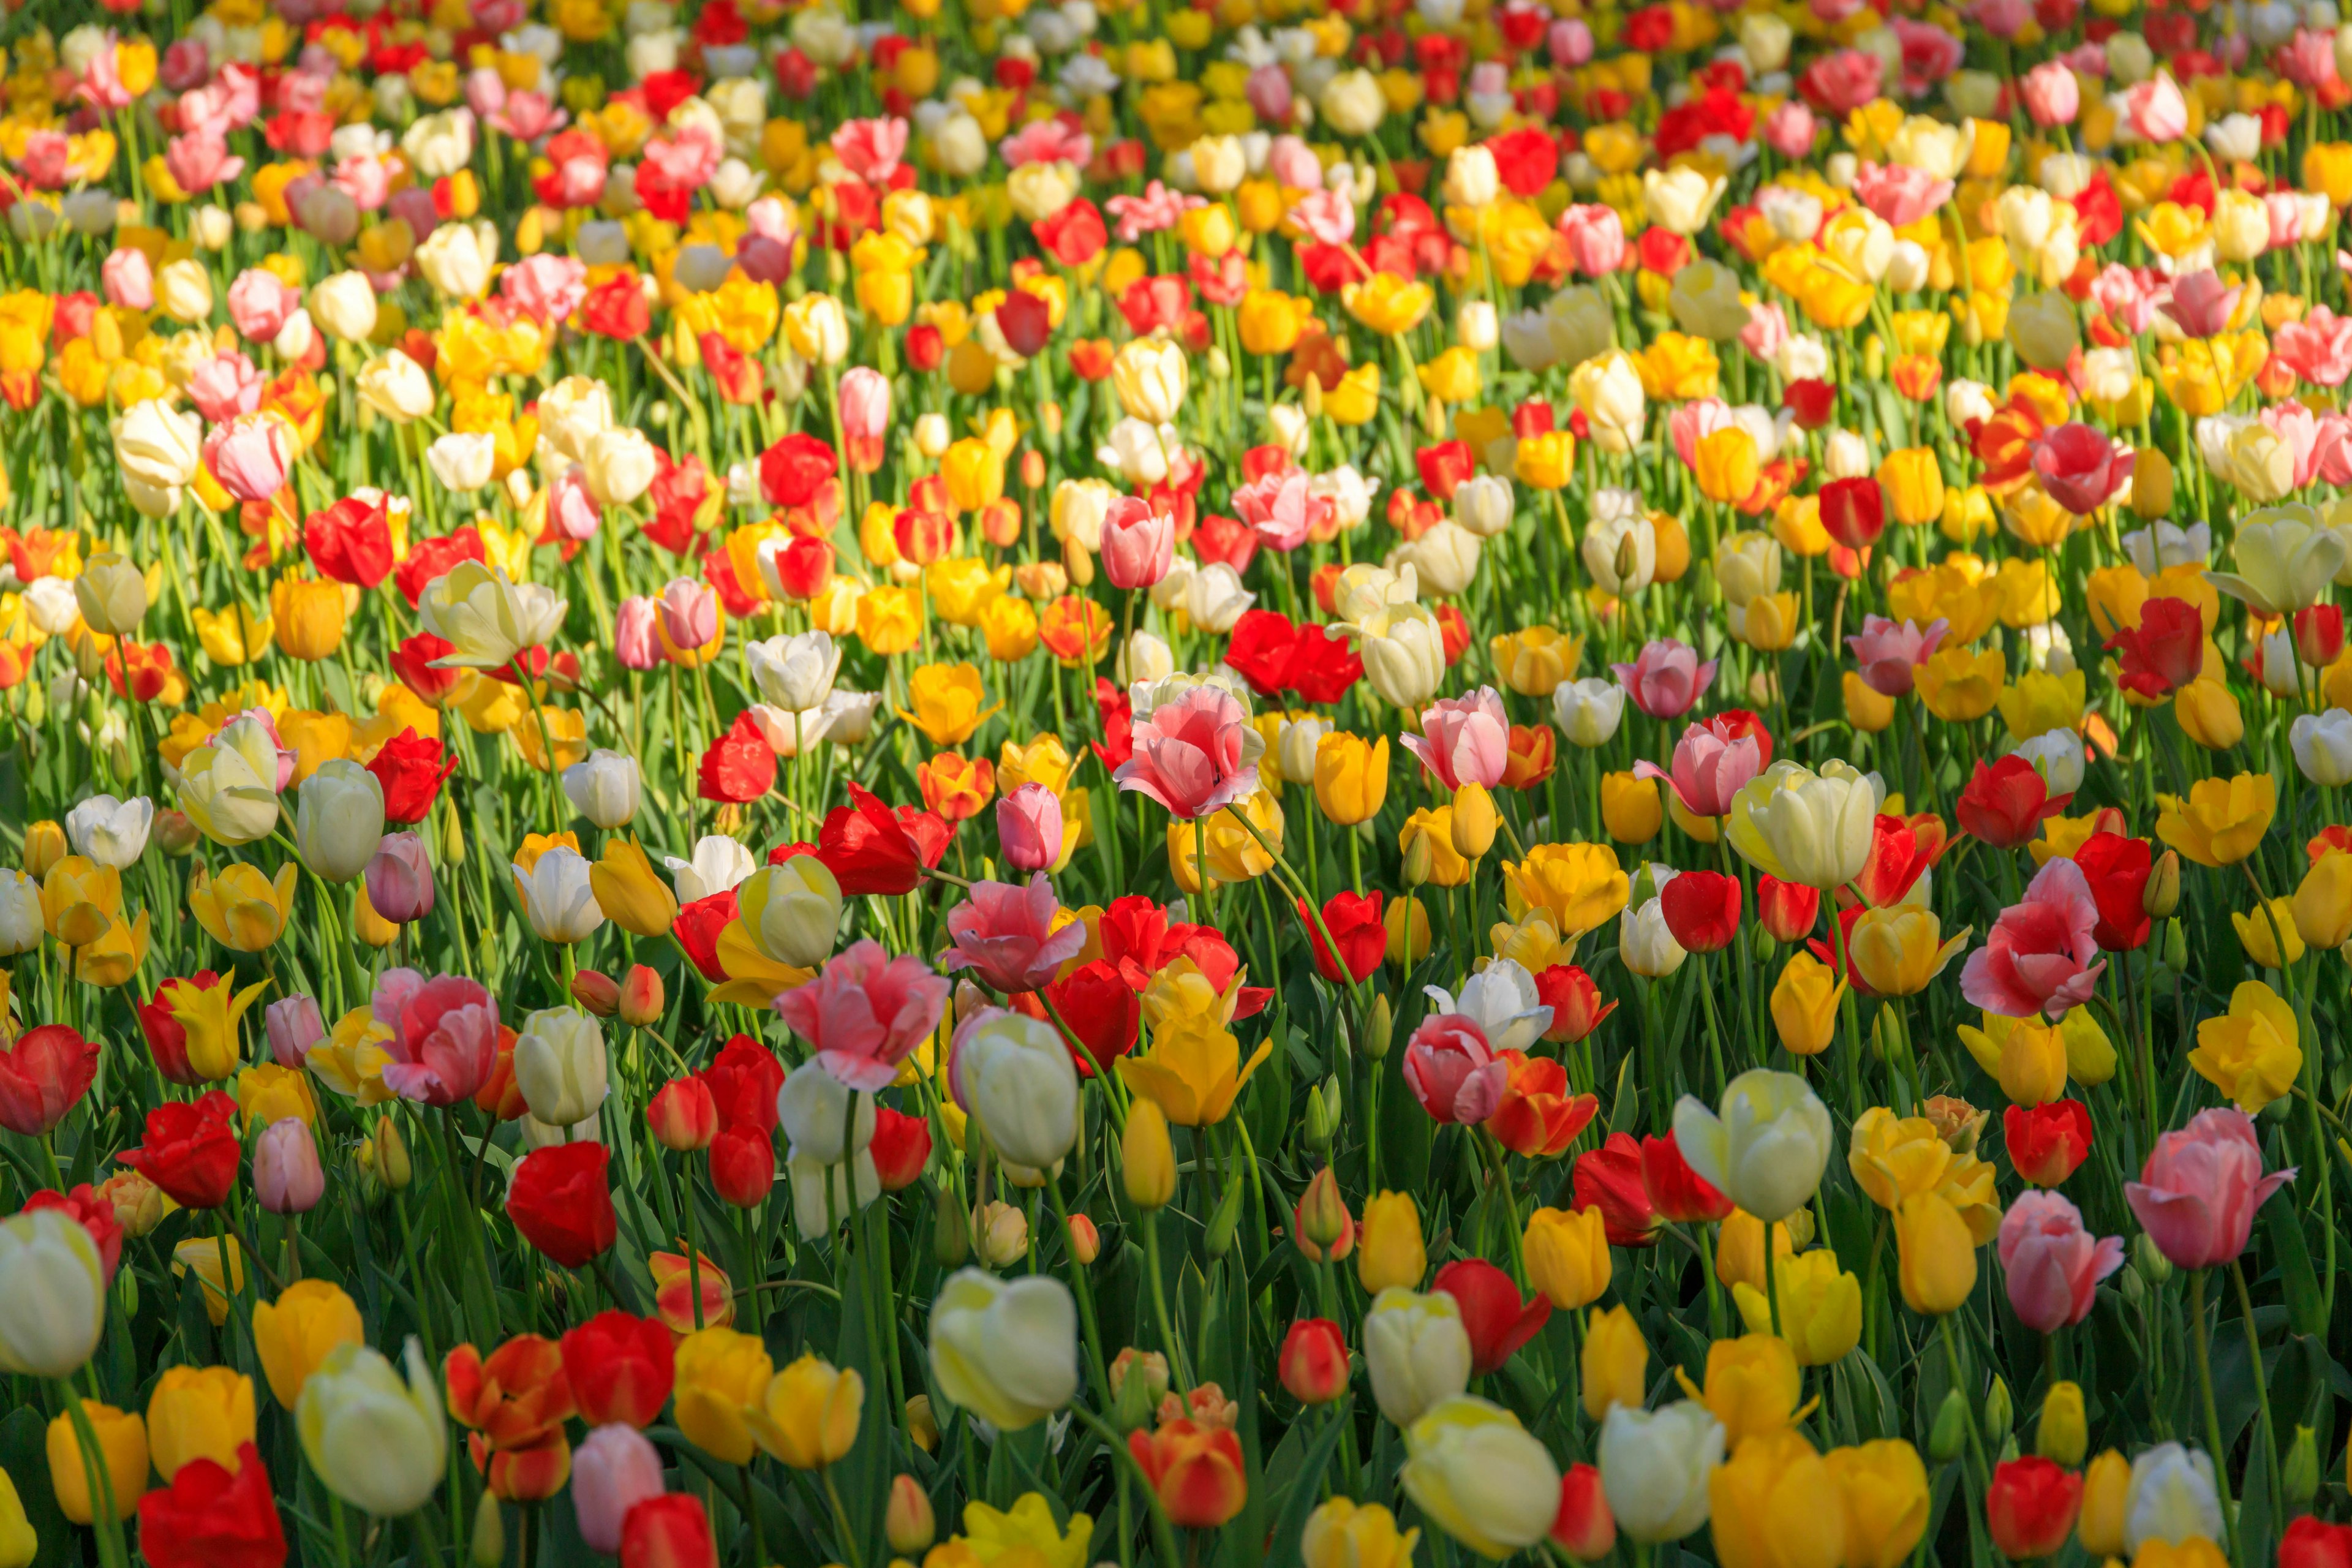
(2197, 1195)
(2041, 956)
(1667, 679)
(1464, 740)
(2050, 1265)
(1192, 753)
(1005, 934)
(866, 1012)
(1711, 764)
(1890, 654)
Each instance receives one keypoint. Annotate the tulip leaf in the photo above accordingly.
(1304, 1490)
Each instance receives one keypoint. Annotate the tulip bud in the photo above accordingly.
(45, 846)
(950, 1231)
(1380, 1029)
(2000, 1410)
(642, 1000)
(1323, 1218)
(2107, 1496)
(1032, 468)
(1949, 1435)
(922, 1426)
(2162, 894)
(2176, 947)
(909, 1523)
(1629, 560)
(2299, 1477)
(969, 999)
(176, 832)
(1318, 1122)
(1473, 821)
(390, 1154)
(1003, 1233)
(453, 840)
(488, 1547)
(2151, 483)
(2063, 1435)
(596, 991)
(1146, 1158)
(2149, 1259)
(294, 1026)
(1078, 562)
(2133, 1288)
(1134, 1403)
(1225, 1220)
(1418, 861)
(1085, 1240)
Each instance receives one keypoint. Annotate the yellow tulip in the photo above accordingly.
(629, 892)
(1614, 1367)
(1579, 886)
(120, 1462)
(1885, 1490)
(1820, 1306)
(1765, 1507)
(1897, 952)
(2252, 1054)
(1351, 777)
(241, 909)
(1938, 1254)
(1753, 1386)
(1389, 1251)
(720, 1375)
(947, 698)
(1566, 1255)
(1805, 1004)
(2221, 821)
(198, 1413)
(808, 1415)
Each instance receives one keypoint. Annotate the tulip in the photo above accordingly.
(1341, 1533)
(1005, 1350)
(1417, 1351)
(1313, 1363)
(1805, 1004)
(612, 1470)
(2251, 1053)
(808, 1415)
(1801, 826)
(1763, 1510)
(2030, 1507)
(1655, 1467)
(1820, 1307)
(372, 1441)
(119, 1462)
(1883, 1487)
(2171, 1497)
(399, 878)
(198, 1413)
(1390, 1254)
(339, 819)
(295, 1333)
(1566, 1255)
(1937, 1253)
(52, 1294)
(286, 1176)
(1197, 1470)
(241, 909)
(557, 896)
(1480, 1476)
(1767, 1148)
(1014, 1074)
(559, 1065)
(110, 832)
(2197, 1194)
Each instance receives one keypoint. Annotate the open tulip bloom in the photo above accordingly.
(801, 783)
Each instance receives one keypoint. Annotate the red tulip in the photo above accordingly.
(2312, 1543)
(1355, 926)
(562, 1202)
(1537, 1117)
(524, 1475)
(2046, 1143)
(1197, 1471)
(43, 1076)
(191, 1150)
(167, 1037)
(620, 1368)
(743, 1079)
(792, 470)
(683, 1115)
(1702, 909)
(350, 541)
(739, 767)
(1812, 402)
(1680, 1194)
(1787, 911)
(1895, 863)
(1576, 1003)
(2118, 869)
(96, 1214)
(1583, 1527)
(1101, 1009)
(1609, 1179)
(516, 1396)
(901, 1147)
(743, 1165)
(2004, 803)
(411, 768)
(2319, 634)
(2031, 1506)
(1444, 467)
(212, 1517)
(1313, 1361)
(870, 848)
(669, 1531)
(1854, 512)
(1498, 1320)
(2165, 652)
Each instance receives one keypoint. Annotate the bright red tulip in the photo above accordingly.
(1787, 911)
(1576, 1003)
(1702, 909)
(212, 1517)
(1680, 1194)
(619, 1369)
(515, 1396)
(2046, 1143)
(1355, 926)
(669, 1531)
(562, 1202)
(743, 1165)
(1609, 1179)
(2004, 803)
(1197, 1471)
(1584, 1528)
(43, 1076)
(190, 1151)
(1499, 1321)
(2118, 869)
(2031, 1506)
(1313, 1361)
(901, 1147)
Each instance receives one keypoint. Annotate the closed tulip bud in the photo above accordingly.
(1326, 1231)
(2161, 895)
(596, 991)
(2149, 1260)
(1473, 821)
(2061, 1434)
(1004, 1234)
(1146, 1157)
(119, 1462)
(389, 1154)
(2176, 947)
(1225, 1220)
(2323, 904)
(908, 1523)
(1085, 1240)
(1949, 1435)
(1379, 1029)
(1319, 1120)
(286, 1176)
(1420, 860)
(2000, 1410)
(2107, 1496)
(2151, 483)
(486, 1546)
(1614, 1369)
(2299, 1477)
(1388, 1248)
(176, 833)
(54, 1286)
(339, 819)
(45, 846)
(950, 1231)
(922, 1426)
(642, 1000)
(1938, 1254)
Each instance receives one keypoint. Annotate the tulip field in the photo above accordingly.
(1087, 784)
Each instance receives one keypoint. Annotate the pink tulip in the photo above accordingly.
(395, 989)
(2050, 1264)
(128, 279)
(400, 879)
(199, 162)
(2130, 299)
(187, 62)
(1596, 239)
(2202, 303)
(1767, 332)
(2040, 956)
(2285, 209)
(250, 455)
(2318, 348)
(1268, 91)
(1281, 509)
(528, 116)
(258, 304)
(1667, 679)
(870, 148)
(2197, 1195)
(1711, 765)
(2308, 59)
(1570, 43)
(2052, 94)
(2156, 110)
(1452, 1071)
(866, 1012)
(1055, 140)
(614, 1469)
(1138, 544)
(294, 1026)
(446, 1043)
(1464, 740)
(286, 1174)
(689, 614)
(1845, 81)
(2081, 467)
(546, 288)
(1005, 934)
(224, 386)
(634, 642)
(572, 511)
(1790, 129)
(1029, 827)
(1328, 217)
(1898, 193)
(686, 158)
(1891, 655)
(2308, 437)
(864, 416)
(1192, 753)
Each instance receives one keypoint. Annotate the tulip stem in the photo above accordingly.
(2262, 1384)
(1168, 1338)
(2199, 1340)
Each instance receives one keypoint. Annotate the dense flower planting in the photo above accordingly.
(1045, 783)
